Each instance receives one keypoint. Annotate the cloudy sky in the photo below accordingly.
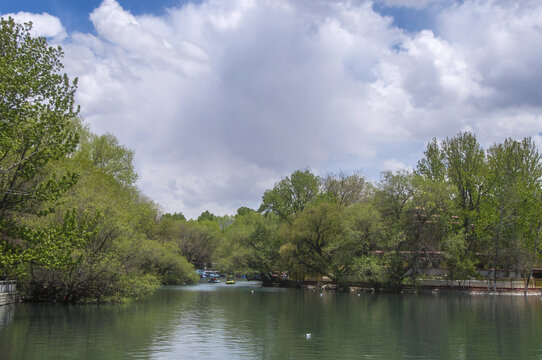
(222, 98)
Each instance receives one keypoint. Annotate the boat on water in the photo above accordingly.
(213, 279)
(230, 282)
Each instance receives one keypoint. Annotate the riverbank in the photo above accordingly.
(471, 291)
(433, 286)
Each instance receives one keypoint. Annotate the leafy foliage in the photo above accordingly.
(36, 113)
(291, 195)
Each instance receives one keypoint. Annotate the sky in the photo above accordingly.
(220, 99)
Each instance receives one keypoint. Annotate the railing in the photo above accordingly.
(8, 286)
(501, 284)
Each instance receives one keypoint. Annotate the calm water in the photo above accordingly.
(215, 321)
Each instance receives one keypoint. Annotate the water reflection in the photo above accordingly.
(6, 315)
(214, 321)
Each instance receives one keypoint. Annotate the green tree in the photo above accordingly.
(37, 116)
(123, 257)
(392, 198)
(394, 192)
(108, 155)
(198, 241)
(456, 258)
(175, 216)
(347, 190)
(361, 246)
(291, 195)
(516, 172)
(36, 112)
(250, 244)
(342, 243)
(207, 216)
(467, 172)
(426, 222)
(310, 240)
(243, 210)
(432, 166)
(195, 240)
(431, 211)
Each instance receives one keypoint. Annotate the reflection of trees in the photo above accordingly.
(6, 315)
(89, 331)
(232, 322)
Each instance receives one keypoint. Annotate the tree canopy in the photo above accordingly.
(37, 110)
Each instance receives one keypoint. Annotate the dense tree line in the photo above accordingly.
(73, 227)
(461, 209)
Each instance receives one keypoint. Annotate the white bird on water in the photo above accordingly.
(308, 336)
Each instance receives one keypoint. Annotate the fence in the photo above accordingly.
(8, 286)
(8, 292)
(501, 284)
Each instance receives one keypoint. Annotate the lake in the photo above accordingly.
(245, 321)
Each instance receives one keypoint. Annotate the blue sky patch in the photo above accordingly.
(74, 15)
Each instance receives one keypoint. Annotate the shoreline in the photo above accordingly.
(410, 289)
(473, 291)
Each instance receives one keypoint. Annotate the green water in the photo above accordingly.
(215, 321)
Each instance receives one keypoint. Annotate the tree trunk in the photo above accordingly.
(532, 262)
(497, 251)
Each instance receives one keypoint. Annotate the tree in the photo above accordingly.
(432, 166)
(426, 222)
(108, 155)
(95, 245)
(456, 259)
(347, 190)
(198, 240)
(394, 192)
(243, 210)
(516, 172)
(466, 170)
(124, 254)
(207, 216)
(361, 244)
(328, 239)
(392, 198)
(311, 238)
(250, 244)
(175, 216)
(291, 195)
(431, 213)
(36, 112)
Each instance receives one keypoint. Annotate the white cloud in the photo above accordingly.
(394, 165)
(222, 99)
(42, 24)
(415, 4)
(504, 42)
(267, 89)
